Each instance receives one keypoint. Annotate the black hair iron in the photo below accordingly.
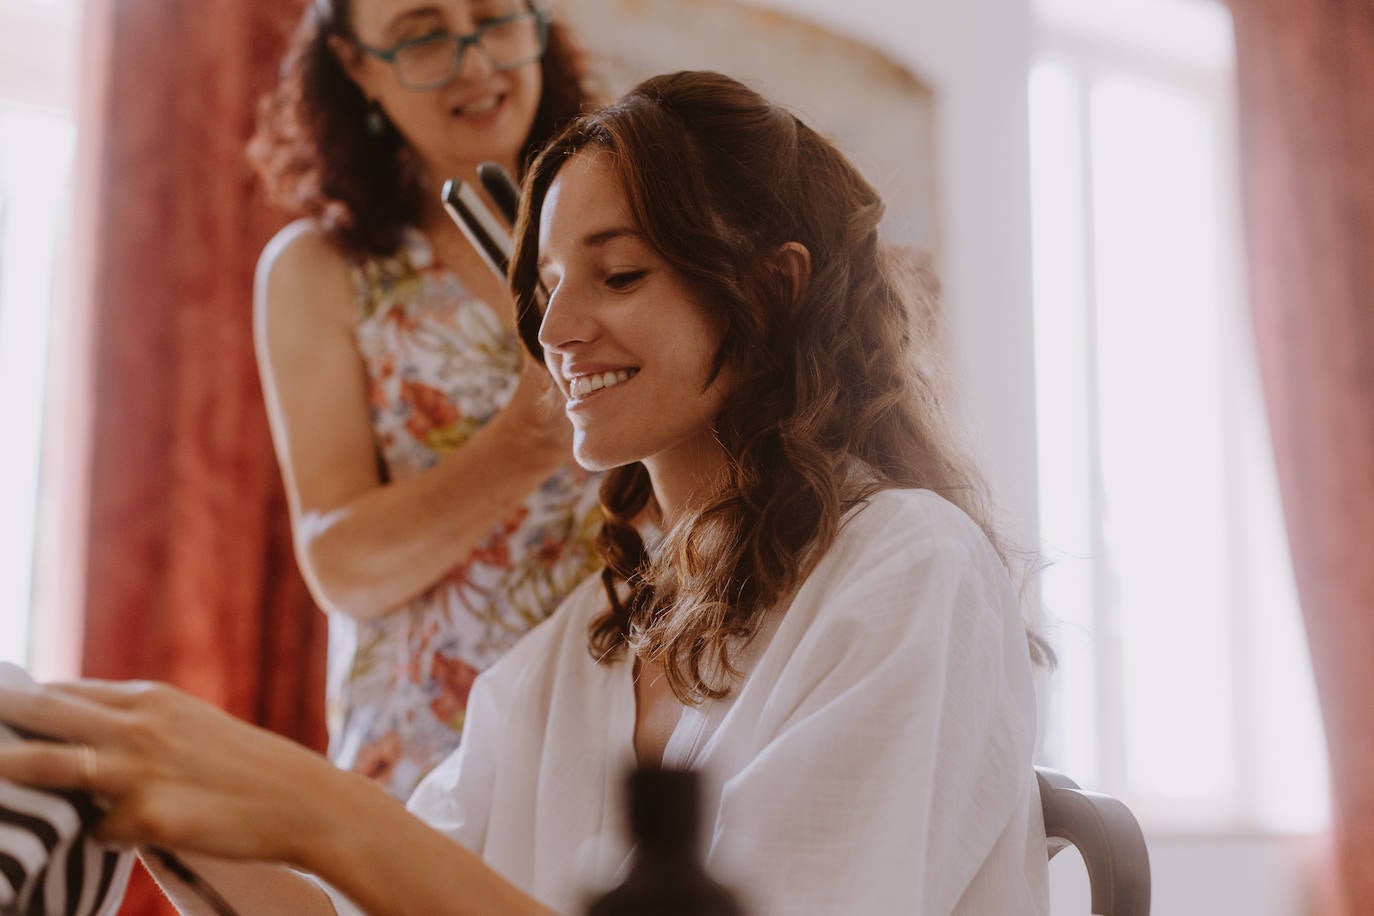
(502, 189)
(486, 233)
(491, 239)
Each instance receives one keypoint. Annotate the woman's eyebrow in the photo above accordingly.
(601, 237)
(597, 239)
(398, 21)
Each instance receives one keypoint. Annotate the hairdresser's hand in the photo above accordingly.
(175, 771)
(534, 418)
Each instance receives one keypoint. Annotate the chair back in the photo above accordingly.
(1106, 835)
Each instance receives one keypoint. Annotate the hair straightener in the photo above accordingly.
(488, 234)
(491, 239)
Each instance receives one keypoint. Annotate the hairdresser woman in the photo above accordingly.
(437, 513)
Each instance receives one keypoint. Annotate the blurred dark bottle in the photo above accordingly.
(666, 876)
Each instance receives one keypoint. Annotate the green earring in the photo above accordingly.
(376, 120)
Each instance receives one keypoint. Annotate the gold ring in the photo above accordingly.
(85, 755)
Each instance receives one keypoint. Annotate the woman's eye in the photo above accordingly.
(625, 279)
(422, 38)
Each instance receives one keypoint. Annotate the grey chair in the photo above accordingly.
(1106, 835)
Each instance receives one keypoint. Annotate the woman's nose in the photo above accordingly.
(476, 64)
(567, 322)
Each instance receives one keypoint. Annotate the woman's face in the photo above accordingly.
(482, 114)
(629, 344)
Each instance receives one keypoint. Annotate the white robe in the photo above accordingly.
(875, 759)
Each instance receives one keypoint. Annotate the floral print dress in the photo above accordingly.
(440, 364)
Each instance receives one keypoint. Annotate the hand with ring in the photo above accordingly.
(171, 770)
(88, 764)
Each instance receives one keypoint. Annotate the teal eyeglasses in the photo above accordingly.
(435, 60)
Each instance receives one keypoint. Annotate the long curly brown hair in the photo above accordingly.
(829, 403)
(316, 158)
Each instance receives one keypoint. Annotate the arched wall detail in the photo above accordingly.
(879, 112)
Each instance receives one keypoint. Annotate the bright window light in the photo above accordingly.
(35, 162)
(1184, 685)
(1064, 407)
(37, 135)
(1160, 432)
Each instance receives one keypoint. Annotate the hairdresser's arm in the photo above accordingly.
(366, 547)
(431, 875)
(177, 773)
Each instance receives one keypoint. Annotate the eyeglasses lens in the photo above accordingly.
(508, 43)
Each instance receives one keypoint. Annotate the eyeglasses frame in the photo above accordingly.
(471, 39)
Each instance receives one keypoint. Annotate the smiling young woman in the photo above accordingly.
(801, 600)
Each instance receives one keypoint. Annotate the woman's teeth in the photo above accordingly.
(584, 385)
(482, 107)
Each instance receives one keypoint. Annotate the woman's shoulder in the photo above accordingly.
(910, 577)
(912, 545)
(300, 246)
(910, 517)
(303, 266)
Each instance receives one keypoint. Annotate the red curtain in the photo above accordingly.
(190, 576)
(1306, 82)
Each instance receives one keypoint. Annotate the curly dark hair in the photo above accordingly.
(315, 157)
(828, 405)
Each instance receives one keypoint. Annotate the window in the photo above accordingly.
(37, 140)
(1184, 686)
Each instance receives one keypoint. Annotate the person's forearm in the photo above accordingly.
(392, 543)
(248, 887)
(389, 863)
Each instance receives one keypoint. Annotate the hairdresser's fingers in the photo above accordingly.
(133, 814)
(60, 716)
(116, 694)
(149, 713)
(50, 765)
(41, 763)
(129, 824)
(177, 817)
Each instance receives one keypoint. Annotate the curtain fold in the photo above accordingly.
(189, 572)
(1305, 71)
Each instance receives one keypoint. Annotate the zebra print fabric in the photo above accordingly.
(49, 864)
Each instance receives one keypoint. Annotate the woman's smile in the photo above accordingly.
(480, 111)
(594, 385)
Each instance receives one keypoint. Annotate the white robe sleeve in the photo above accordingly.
(894, 774)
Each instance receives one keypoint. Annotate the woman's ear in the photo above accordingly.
(794, 262)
